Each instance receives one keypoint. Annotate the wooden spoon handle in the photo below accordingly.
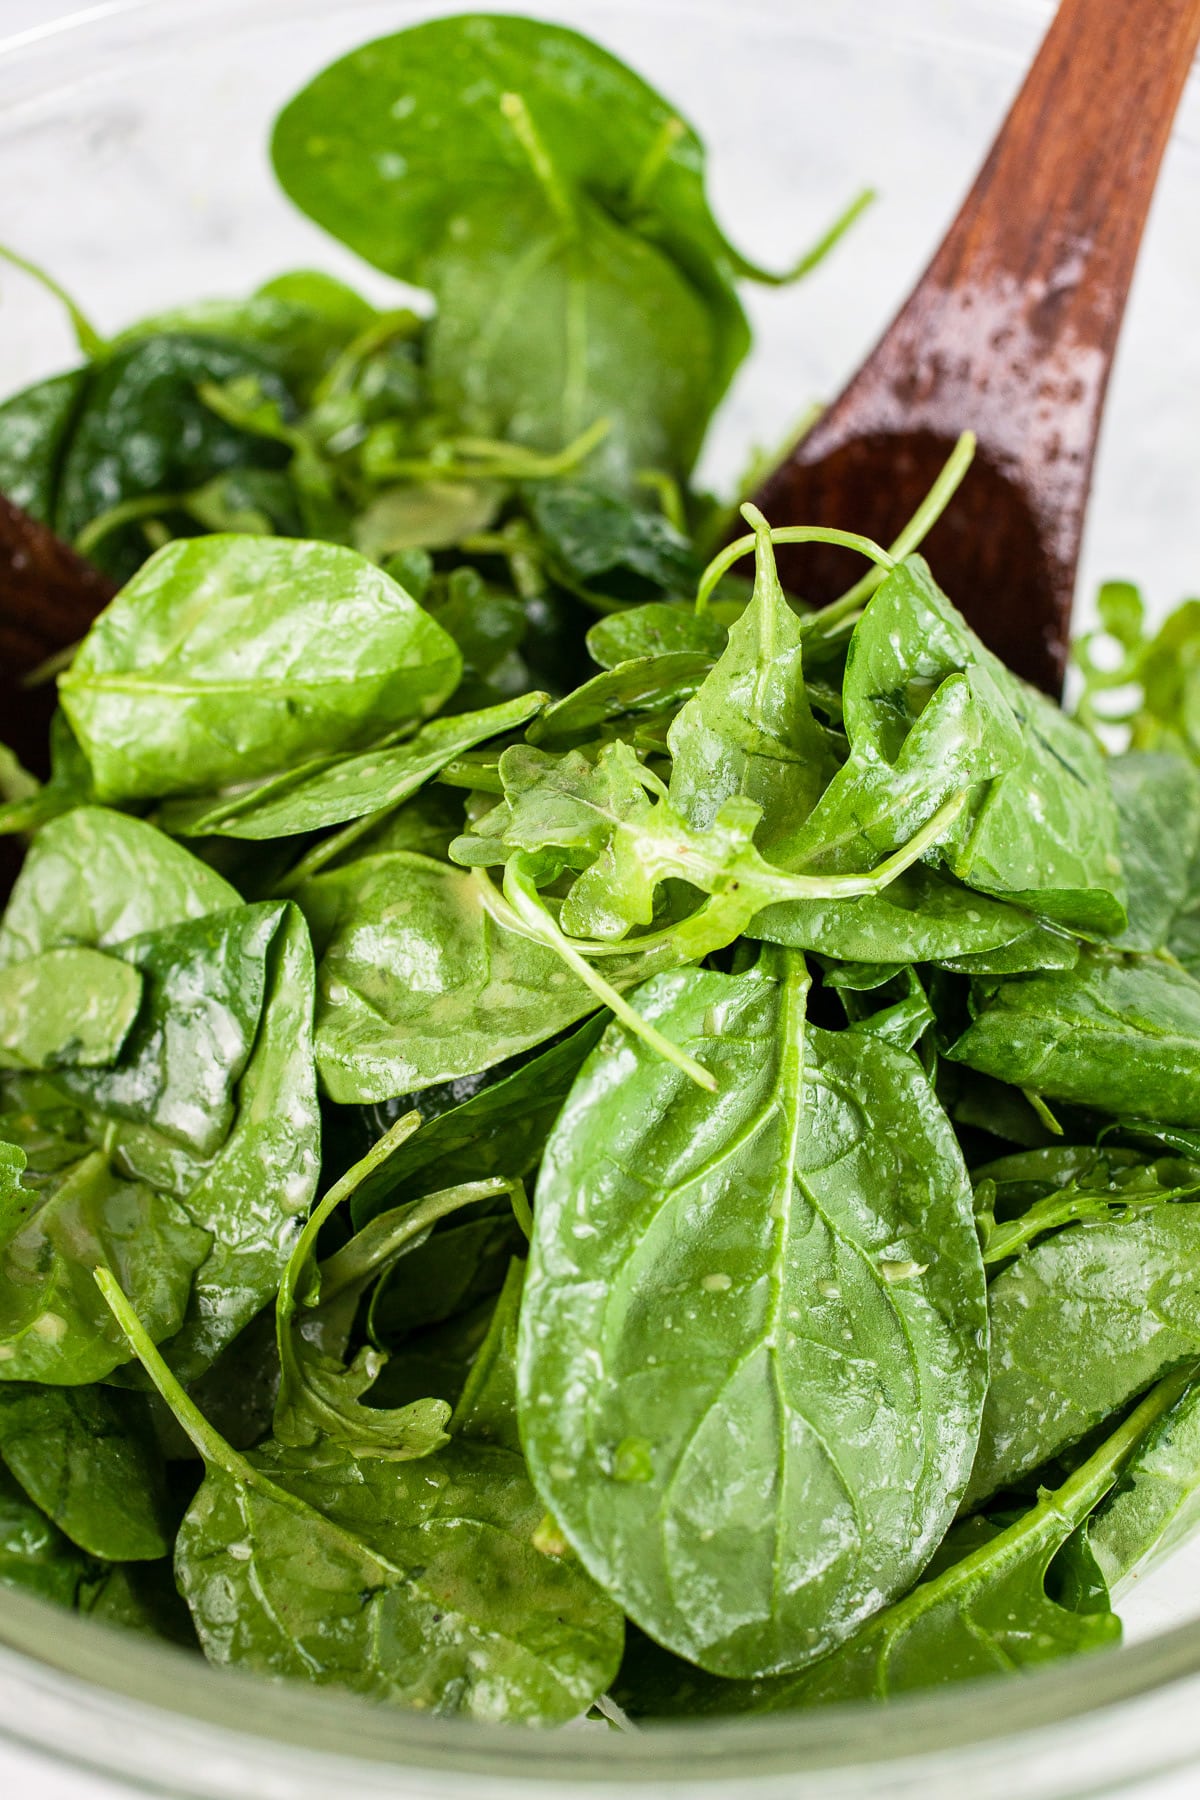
(48, 595)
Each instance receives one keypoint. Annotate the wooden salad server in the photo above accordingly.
(1010, 333)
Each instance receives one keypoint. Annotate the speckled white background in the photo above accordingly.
(142, 191)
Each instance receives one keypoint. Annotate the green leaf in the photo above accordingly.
(749, 731)
(66, 1007)
(418, 982)
(487, 1409)
(989, 1612)
(99, 878)
(422, 1583)
(578, 272)
(752, 1355)
(35, 426)
(1121, 1034)
(87, 1457)
(54, 1326)
(1082, 1323)
(655, 629)
(70, 784)
(372, 782)
(230, 657)
(34, 1555)
(628, 696)
(596, 541)
(1037, 1191)
(141, 430)
(1155, 1505)
(1158, 807)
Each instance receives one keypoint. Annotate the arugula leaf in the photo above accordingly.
(751, 1353)
(749, 731)
(1121, 1034)
(66, 1007)
(423, 1581)
(87, 1457)
(231, 657)
(418, 981)
(1082, 1323)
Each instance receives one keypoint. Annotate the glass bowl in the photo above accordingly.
(132, 145)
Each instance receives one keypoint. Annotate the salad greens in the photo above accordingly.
(749, 1055)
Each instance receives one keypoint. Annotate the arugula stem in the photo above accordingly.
(526, 902)
(788, 534)
(914, 533)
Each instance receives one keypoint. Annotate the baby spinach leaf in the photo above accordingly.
(499, 1131)
(1037, 1191)
(1158, 807)
(1121, 1034)
(66, 1007)
(372, 782)
(1155, 1505)
(751, 1357)
(142, 1597)
(596, 540)
(34, 1555)
(205, 983)
(487, 1408)
(655, 629)
(624, 696)
(142, 430)
(990, 1611)
(447, 1274)
(229, 657)
(573, 193)
(70, 784)
(418, 982)
(907, 643)
(87, 1457)
(54, 1326)
(422, 1582)
(749, 730)
(1081, 1323)
(922, 916)
(99, 878)
(35, 426)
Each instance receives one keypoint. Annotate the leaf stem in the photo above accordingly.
(86, 335)
(808, 260)
(520, 118)
(789, 534)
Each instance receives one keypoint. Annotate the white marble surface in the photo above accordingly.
(171, 197)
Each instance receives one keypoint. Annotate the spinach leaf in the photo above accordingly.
(372, 782)
(749, 731)
(70, 784)
(1158, 806)
(909, 641)
(1081, 1323)
(990, 1611)
(1037, 1191)
(499, 1131)
(922, 916)
(66, 1007)
(142, 430)
(418, 982)
(597, 540)
(34, 1555)
(54, 1326)
(655, 629)
(1155, 1505)
(752, 1356)
(229, 657)
(1121, 1034)
(623, 698)
(35, 425)
(449, 1273)
(487, 1408)
(87, 1457)
(422, 1582)
(574, 195)
(99, 878)
(204, 983)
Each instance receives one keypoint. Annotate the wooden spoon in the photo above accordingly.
(1010, 333)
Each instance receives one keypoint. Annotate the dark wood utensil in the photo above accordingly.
(1010, 333)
